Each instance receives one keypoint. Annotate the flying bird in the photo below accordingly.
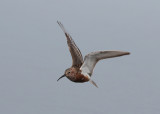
(81, 70)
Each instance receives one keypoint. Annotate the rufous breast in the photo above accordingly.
(74, 74)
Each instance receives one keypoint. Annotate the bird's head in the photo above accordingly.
(66, 73)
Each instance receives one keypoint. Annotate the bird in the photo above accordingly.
(81, 70)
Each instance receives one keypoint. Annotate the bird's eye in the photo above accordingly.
(69, 72)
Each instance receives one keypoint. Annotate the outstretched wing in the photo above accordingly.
(77, 58)
(91, 59)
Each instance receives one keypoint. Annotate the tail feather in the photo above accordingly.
(93, 83)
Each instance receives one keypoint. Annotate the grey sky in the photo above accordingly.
(34, 54)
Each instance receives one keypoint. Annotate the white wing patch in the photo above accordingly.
(88, 65)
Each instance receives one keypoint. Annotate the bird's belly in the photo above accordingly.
(79, 78)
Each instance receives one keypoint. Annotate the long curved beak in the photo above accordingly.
(61, 77)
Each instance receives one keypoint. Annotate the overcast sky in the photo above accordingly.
(34, 54)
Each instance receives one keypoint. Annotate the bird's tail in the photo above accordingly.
(93, 83)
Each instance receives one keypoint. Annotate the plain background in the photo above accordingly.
(34, 54)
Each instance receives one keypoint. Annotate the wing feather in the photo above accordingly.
(91, 59)
(77, 58)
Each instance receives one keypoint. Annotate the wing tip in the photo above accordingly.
(127, 53)
(61, 26)
(58, 22)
